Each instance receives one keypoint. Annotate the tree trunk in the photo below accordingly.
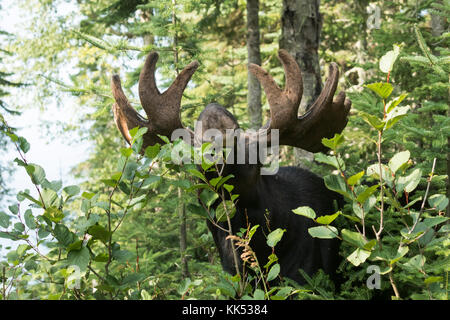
(301, 24)
(437, 29)
(183, 236)
(254, 88)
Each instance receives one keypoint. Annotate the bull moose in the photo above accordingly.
(264, 200)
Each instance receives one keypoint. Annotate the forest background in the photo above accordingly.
(56, 65)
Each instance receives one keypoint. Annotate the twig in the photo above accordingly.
(422, 207)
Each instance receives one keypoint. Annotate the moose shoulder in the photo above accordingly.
(264, 200)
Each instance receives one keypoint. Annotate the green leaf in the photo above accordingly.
(395, 102)
(152, 152)
(398, 160)
(433, 279)
(354, 238)
(305, 211)
(337, 163)
(410, 182)
(334, 142)
(64, 236)
(394, 116)
(388, 60)
(29, 219)
(221, 211)
(4, 220)
(19, 227)
(79, 258)
(14, 208)
(126, 152)
(328, 218)
(358, 256)
(24, 145)
(197, 174)
(274, 237)
(54, 214)
(363, 196)
(400, 253)
(72, 190)
(382, 89)
(258, 294)
(36, 173)
(323, 232)
(438, 201)
(49, 197)
(372, 120)
(100, 233)
(355, 178)
(337, 184)
(274, 272)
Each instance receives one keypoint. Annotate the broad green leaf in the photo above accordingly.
(337, 163)
(387, 61)
(383, 89)
(258, 294)
(337, 184)
(394, 116)
(49, 197)
(334, 142)
(433, 279)
(438, 201)
(100, 233)
(225, 207)
(274, 237)
(152, 152)
(197, 174)
(64, 236)
(363, 196)
(72, 190)
(19, 227)
(354, 238)
(79, 258)
(328, 219)
(14, 208)
(29, 219)
(323, 232)
(400, 253)
(274, 272)
(398, 160)
(355, 178)
(358, 256)
(410, 182)
(126, 152)
(395, 102)
(305, 211)
(54, 214)
(372, 120)
(36, 173)
(4, 220)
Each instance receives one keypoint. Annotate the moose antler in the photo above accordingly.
(324, 118)
(163, 110)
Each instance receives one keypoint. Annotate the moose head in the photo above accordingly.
(265, 200)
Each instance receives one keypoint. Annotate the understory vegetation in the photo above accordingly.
(135, 228)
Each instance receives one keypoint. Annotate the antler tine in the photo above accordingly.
(283, 103)
(163, 110)
(124, 115)
(324, 118)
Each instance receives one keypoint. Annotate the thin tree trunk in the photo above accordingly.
(254, 56)
(437, 29)
(183, 236)
(301, 24)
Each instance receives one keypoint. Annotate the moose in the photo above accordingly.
(264, 200)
